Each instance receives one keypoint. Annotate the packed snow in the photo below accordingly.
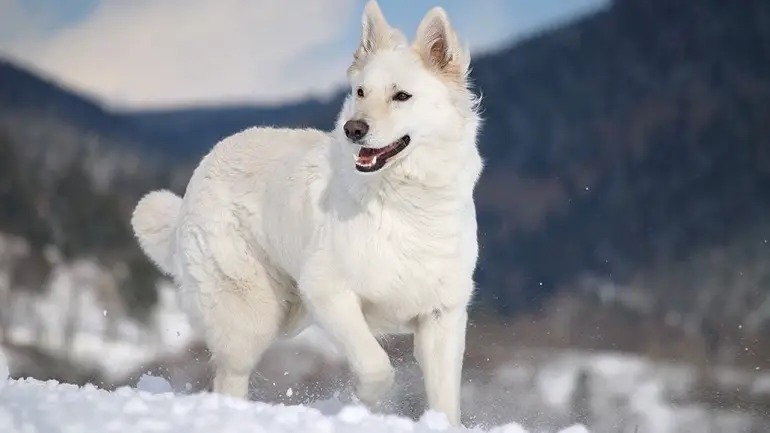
(31, 406)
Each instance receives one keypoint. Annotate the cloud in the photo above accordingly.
(18, 23)
(144, 53)
(149, 52)
(486, 22)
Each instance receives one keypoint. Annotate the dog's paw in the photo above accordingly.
(373, 387)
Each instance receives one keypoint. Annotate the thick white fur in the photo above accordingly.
(277, 228)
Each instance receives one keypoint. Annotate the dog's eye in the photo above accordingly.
(401, 96)
(360, 92)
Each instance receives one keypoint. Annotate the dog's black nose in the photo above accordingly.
(355, 129)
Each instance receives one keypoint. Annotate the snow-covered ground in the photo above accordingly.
(544, 390)
(31, 406)
(40, 321)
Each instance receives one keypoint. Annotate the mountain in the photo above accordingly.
(620, 146)
(70, 174)
(192, 131)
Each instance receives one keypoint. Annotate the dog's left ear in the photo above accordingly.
(439, 46)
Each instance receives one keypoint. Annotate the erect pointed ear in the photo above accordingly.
(437, 44)
(376, 34)
(375, 30)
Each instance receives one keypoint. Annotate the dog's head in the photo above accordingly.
(408, 102)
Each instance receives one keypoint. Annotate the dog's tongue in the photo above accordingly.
(366, 155)
(366, 152)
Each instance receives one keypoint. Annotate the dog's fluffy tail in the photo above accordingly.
(154, 223)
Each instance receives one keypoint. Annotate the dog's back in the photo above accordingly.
(240, 167)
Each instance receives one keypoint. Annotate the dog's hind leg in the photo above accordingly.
(242, 300)
(242, 314)
(238, 331)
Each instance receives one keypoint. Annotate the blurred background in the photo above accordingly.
(624, 279)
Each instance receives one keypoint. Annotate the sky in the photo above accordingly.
(162, 53)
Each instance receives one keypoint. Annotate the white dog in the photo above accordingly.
(366, 230)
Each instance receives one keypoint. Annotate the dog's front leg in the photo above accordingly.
(338, 311)
(439, 345)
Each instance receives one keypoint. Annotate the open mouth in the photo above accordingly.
(369, 160)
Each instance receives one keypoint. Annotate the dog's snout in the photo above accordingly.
(355, 129)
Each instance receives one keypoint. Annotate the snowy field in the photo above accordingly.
(303, 382)
(31, 406)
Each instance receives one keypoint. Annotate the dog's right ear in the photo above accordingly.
(376, 33)
(375, 30)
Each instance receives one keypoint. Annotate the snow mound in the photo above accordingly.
(153, 385)
(46, 407)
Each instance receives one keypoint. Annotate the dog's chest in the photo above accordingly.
(401, 264)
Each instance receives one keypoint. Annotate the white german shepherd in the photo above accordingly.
(366, 230)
